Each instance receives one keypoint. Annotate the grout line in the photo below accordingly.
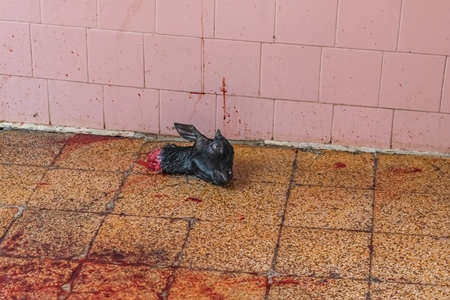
(110, 205)
(260, 68)
(98, 13)
(381, 79)
(159, 111)
(275, 19)
(336, 24)
(332, 123)
(40, 12)
(370, 279)
(446, 64)
(31, 50)
(155, 22)
(170, 280)
(392, 128)
(271, 273)
(103, 107)
(320, 75)
(215, 19)
(399, 26)
(143, 60)
(87, 57)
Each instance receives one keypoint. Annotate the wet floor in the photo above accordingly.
(82, 218)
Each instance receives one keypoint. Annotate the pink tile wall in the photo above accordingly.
(194, 18)
(59, 52)
(421, 131)
(75, 104)
(362, 126)
(116, 57)
(23, 99)
(372, 73)
(371, 24)
(74, 13)
(189, 108)
(247, 20)
(20, 10)
(412, 81)
(307, 22)
(15, 55)
(350, 76)
(302, 122)
(425, 27)
(445, 105)
(255, 123)
(128, 108)
(127, 15)
(173, 63)
(290, 72)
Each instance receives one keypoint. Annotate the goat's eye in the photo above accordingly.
(215, 147)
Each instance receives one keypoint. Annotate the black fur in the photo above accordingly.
(209, 159)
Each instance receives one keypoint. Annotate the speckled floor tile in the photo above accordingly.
(333, 168)
(381, 291)
(101, 153)
(242, 201)
(263, 164)
(56, 234)
(30, 147)
(410, 258)
(108, 281)
(139, 240)
(76, 190)
(324, 253)
(331, 208)
(34, 278)
(197, 285)
(408, 173)
(230, 246)
(158, 196)
(292, 288)
(6, 217)
(412, 213)
(18, 182)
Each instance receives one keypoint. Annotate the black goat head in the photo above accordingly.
(210, 159)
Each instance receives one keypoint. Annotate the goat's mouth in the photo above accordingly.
(221, 178)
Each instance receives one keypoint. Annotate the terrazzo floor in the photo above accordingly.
(82, 218)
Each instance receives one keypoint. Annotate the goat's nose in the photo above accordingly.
(225, 176)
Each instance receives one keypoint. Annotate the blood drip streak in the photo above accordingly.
(154, 160)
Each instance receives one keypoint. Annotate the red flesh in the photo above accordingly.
(154, 160)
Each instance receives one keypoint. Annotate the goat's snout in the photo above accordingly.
(223, 177)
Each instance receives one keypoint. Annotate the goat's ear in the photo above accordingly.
(188, 132)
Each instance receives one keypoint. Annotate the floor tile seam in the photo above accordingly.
(36, 208)
(16, 216)
(297, 184)
(435, 237)
(327, 229)
(108, 210)
(87, 170)
(406, 192)
(178, 260)
(216, 221)
(371, 247)
(376, 280)
(283, 218)
(13, 164)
